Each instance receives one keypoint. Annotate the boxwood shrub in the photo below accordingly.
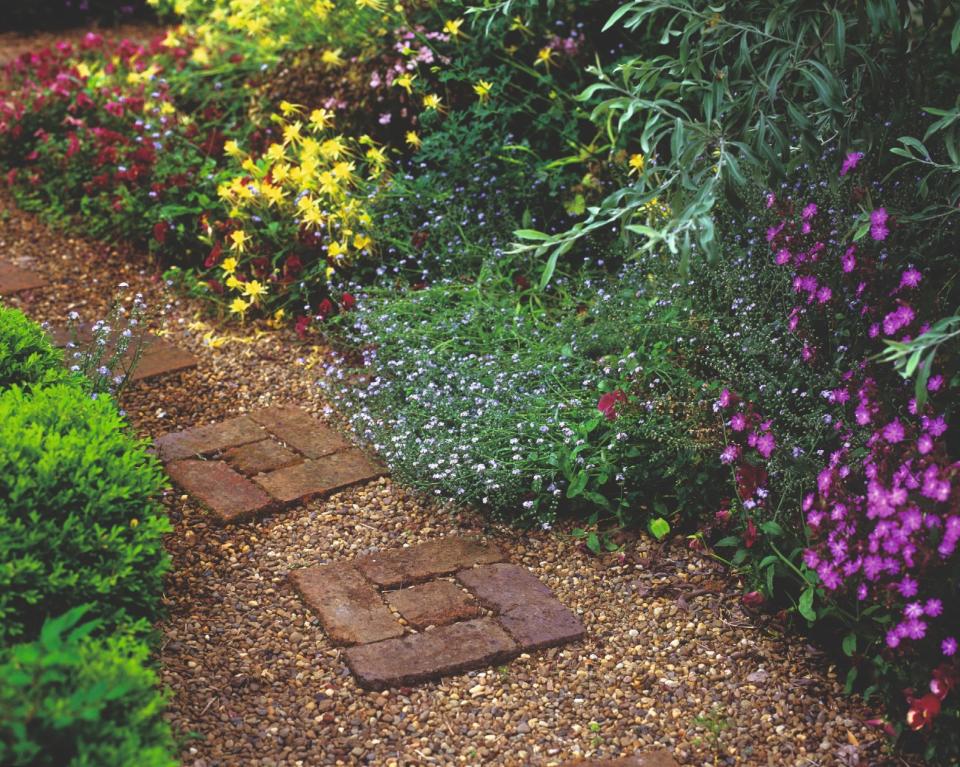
(26, 354)
(78, 522)
(69, 699)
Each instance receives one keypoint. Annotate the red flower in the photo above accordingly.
(607, 404)
(521, 282)
(215, 286)
(749, 478)
(750, 536)
(752, 599)
(214, 256)
(923, 711)
(325, 309)
(348, 301)
(160, 231)
(301, 326)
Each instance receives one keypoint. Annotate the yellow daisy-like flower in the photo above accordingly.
(171, 40)
(239, 306)
(321, 119)
(413, 139)
(83, 70)
(255, 290)
(289, 108)
(452, 27)
(482, 88)
(637, 163)
(229, 265)
(291, 133)
(234, 283)
(276, 152)
(432, 101)
(232, 148)
(405, 81)
(336, 251)
(333, 58)
(545, 58)
(361, 242)
(238, 240)
(374, 5)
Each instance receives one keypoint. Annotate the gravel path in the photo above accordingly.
(670, 659)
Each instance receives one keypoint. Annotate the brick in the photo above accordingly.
(204, 440)
(319, 477)
(256, 457)
(433, 604)
(158, 356)
(422, 657)
(13, 279)
(525, 607)
(649, 759)
(399, 567)
(348, 605)
(300, 430)
(229, 495)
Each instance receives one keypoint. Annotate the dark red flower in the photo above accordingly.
(749, 478)
(752, 599)
(215, 286)
(923, 711)
(301, 326)
(521, 282)
(325, 308)
(607, 404)
(750, 534)
(214, 256)
(347, 301)
(160, 231)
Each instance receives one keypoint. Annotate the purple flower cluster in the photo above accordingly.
(885, 515)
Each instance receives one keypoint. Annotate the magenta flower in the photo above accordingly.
(730, 454)
(850, 162)
(847, 260)
(809, 211)
(935, 383)
(766, 444)
(910, 278)
(738, 422)
(893, 432)
(933, 608)
(878, 224)
(949, 646)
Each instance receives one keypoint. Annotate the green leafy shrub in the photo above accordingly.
(70, 700)
(77, 519)
(26, 354)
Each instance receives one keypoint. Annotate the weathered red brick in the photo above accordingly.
(525, 607)
(157, 355)
(348, 605)
(228, 494)
(300, 430)
(399, 567)
(433, 604)
(256, 457)
(13, 279)
(421, 657)
(319, 477)
(204, 440)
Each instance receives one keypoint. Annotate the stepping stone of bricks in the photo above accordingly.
(349, 600)
(525, 607)
(13, 279)
(399, 567)
(263, 460)
(649, 759)
(216, 485)
(436, 603)
(418, 657)
(157, 356)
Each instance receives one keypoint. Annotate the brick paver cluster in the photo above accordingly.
(259, 461)
(13, 279)
(157, 356)
(415, 614)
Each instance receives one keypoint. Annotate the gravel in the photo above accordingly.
(670, 658)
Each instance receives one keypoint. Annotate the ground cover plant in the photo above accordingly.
(81, 567)
(662, 264)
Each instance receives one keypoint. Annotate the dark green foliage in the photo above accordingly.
(77, 519)
(70, 700)
(26, 354)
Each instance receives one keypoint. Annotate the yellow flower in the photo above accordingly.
(200, 56)
(239, 306)
(229, 265)
(482, 88)
(636, 162)
(361, 242)
(291, 133)
(171, 40)
(432, 101)
(232, 148)
(405, 81)
(452, 27)
(333, 58)
(329, 272)
(290, 109)
(276, 152)
(321, 119)
(517, 25)
(166, 108)
(272, 194)
(239, 240)
(375, 5)
(134, 522)
(234, 283)
(313, 217)
(413, 139)
(336, 251)
(545, 57)
(255, 290)
(322, 8)
(376, 156)
(83, 70)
